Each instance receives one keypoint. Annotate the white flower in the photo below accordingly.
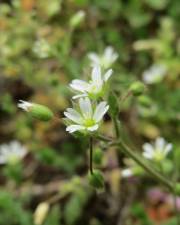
(25, 105)
(154, 74)
(158, 151)
(95, 87)
(11, 152)
(105, 60)
(42, 48)
(127, 172)
(86, 118)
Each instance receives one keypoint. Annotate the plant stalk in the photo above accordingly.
(91, 155)
(144, 165)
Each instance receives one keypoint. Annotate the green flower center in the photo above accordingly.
(159, 156)
(89, 122)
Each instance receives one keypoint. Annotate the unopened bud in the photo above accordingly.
(41, 213)
(144, 100)
(137, 88)
(97, 156)
(37, 111)
(77, 18)
(96, 179)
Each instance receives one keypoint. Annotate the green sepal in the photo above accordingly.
(137, 88)
(41, 112)
(96, 179)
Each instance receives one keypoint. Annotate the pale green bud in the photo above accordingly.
(37, 111)
(137, 88)
(77, 18)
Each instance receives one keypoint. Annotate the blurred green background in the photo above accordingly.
(43, 46)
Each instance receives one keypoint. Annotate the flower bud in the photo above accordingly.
(144, 100)
(137, 88)
(41, 213)
(37, 111)
(97, 156)
(96, 179)
(77, 18)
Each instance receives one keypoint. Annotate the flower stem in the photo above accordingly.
(144, 165)
(116, 126)
(91, 155)
(175, 178)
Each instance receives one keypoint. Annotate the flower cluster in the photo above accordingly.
(88, 113)
(86, 116)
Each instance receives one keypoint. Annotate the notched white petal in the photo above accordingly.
(147, 155)
(108, 74)
(148, 148)
(73, 128)
(86, 108)
(94, 58)
(100, 110)
(79, 96)
(168, 148)
(79, 85)
(96, 76)
(73, 115)
(24, 105)
(160, 143)
(93, 128)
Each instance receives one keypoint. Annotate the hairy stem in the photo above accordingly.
(91, 155)
(116, 126)
(175, 178)
(144, 165)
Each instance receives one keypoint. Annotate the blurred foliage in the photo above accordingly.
(43, 45)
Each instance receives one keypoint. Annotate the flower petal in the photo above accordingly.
(93, 128)
(160, 143)
(96, 76)
(168, 148)
(100, 110)
(108, 53)
(148, 148)
(108, 74)
(79, 96)
(24, 105)
(94, 58)
(73, 115)
(73, 128)
(79, 85)
(86, 108)
(147, 155)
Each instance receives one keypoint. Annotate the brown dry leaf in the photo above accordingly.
(159, 214)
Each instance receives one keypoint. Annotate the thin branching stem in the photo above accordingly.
(91, 155)
(144, 165)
